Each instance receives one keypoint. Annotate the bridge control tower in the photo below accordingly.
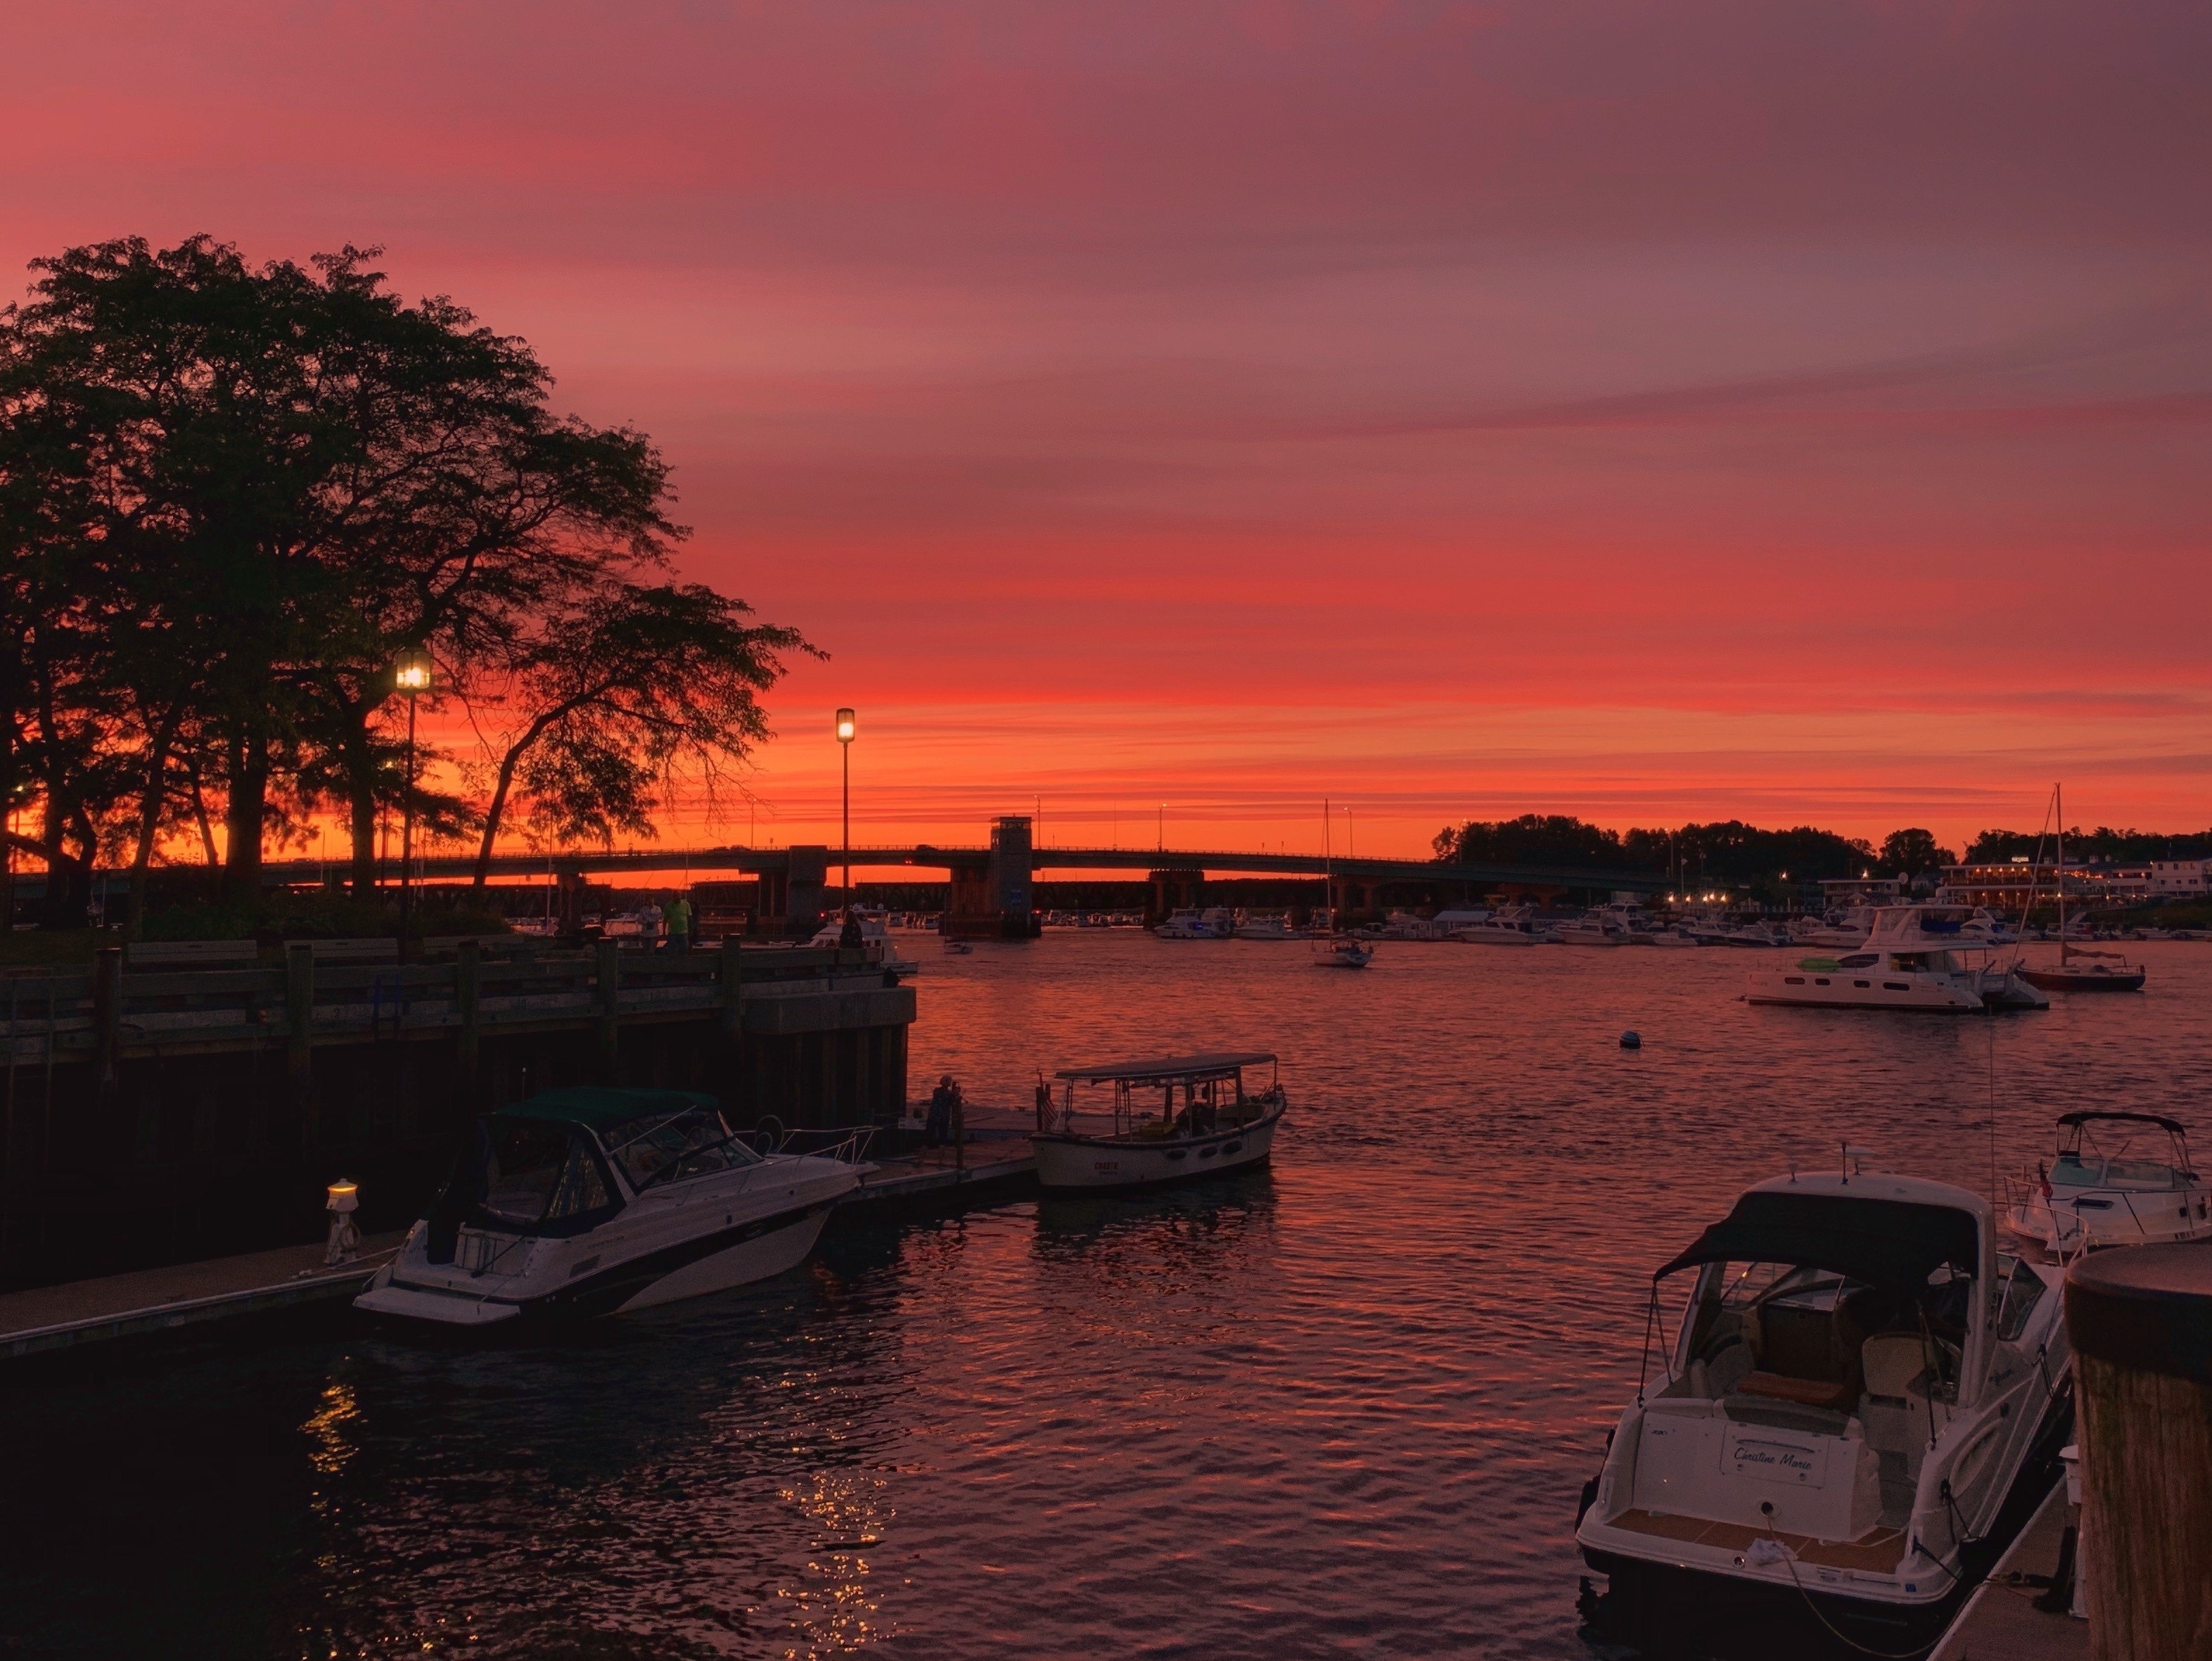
(995, 899)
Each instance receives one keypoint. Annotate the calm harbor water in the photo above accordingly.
(1342, 1408)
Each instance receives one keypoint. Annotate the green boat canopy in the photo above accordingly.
(598, 1106)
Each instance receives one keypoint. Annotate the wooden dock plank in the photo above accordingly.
(2000, 1621)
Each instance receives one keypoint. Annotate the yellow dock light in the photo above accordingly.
(845, 727)
(343, 1199)
(410, 671)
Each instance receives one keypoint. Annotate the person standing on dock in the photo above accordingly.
(676, 919)
(940, 1124)
(1043, 1103)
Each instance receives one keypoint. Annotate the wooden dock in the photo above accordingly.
(2000, 1621)
(157, 1300)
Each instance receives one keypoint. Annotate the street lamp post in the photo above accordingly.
(411, 674)
(845, 732)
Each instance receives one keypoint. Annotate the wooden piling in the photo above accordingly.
(467, 982)
(608, 983)
(2141, 1321)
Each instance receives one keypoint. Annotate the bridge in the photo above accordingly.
(992, 887)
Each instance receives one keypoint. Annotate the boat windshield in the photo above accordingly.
(2093, 1171)
(536, 1172)
(1802, 1335)
(667, 1147)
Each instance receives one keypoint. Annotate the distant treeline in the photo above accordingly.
(1731, 851)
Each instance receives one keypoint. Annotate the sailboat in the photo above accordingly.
(2078, 969)
(1333, 949)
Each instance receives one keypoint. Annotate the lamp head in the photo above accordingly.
(410, 671)
(845, 727)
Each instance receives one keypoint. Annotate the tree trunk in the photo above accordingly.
(497, 809)
(149, 823)
(243, 813)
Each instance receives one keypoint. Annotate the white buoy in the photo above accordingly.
(345, 1238)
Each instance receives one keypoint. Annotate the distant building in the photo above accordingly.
(2011, 883)
(1838, 892)
(2179, 876)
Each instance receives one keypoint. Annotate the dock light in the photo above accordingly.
(344, 1200)
(845, 729)
(410, 673)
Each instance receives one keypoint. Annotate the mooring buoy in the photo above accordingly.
(1631, 1039)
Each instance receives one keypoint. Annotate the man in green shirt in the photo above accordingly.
(676, 922)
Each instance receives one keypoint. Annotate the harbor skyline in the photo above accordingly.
(1448, 414)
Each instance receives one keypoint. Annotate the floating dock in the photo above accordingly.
(991, 1167)
(2001, 1621)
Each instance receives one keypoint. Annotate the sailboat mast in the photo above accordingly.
(2059, 808)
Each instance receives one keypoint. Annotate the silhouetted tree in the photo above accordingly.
(608, 700)
(1912, 851)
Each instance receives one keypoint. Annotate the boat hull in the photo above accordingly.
(1842, 990)
(2063, 980)
(1095, 1164)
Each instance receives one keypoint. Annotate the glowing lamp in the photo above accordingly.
(410, 671)
(344, 1195)
(845, 727)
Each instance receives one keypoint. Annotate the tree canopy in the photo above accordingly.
(231, 495)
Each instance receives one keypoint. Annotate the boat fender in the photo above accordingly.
(1631, 1039)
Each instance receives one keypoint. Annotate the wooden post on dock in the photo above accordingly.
(467, 979)
(107, 1019)
(300, 1024)
(609, 991)
(2141, 1321)
(730, 1031)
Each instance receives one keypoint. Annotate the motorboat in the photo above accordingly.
(1760, 935)
(1205, 1123)
(875, 939)
(1342, 951)
(1189, 922)
(596, 1202)
(1591, 929)
(1845, 928)
(1674, 935)
(1406, 926)
(1267, 926)
(1902, 966)
(1857, 1402)
(1511, 925)
(958, 948)
(2093, 1194)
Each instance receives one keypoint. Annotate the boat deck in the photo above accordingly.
(1874, 1553)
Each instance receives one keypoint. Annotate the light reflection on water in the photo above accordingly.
(1341, 1407)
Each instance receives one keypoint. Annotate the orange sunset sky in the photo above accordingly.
(1794, 412)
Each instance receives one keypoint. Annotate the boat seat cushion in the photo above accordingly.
(1808, 1392)
(1894, 1362)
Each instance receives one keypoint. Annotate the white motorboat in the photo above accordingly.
(1205, 1125)
(1846, 929)
(1858, 1402)
(1591, 929)
(1760, 935)
(2093, 1194)
(1674, 935)
(1511, 925)
(1267, 926)
(596, 1202)
(875, 939)
(1903, 966)
(1342, 951)
(1189, 922)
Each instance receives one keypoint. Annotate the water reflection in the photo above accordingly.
(1344, 1405)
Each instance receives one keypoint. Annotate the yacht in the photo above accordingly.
(1267, 926)
(1511, 925)
(1759, 934)
(598, 1201)
(1846, 929)
(2091, 1194)
(1674, 935)
(1204, 1124)
(1189, 924)
(1591, 929)
(875, 939)
(1856, 1402)
(1903, 966)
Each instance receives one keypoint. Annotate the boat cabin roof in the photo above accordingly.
(1165, 1067)
(1878, 1229)
(597, 1106)
(2094, 1114)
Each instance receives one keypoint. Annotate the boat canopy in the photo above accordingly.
(600, 1107)
(1166, 1067)
(1883, 1242)
(2093, 1114)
